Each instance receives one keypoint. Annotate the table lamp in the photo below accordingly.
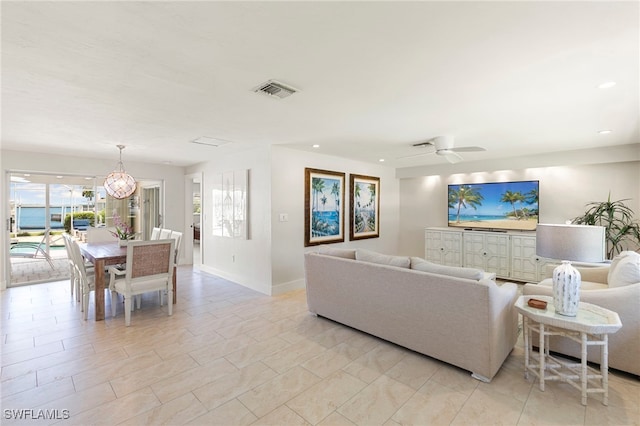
(580, 243)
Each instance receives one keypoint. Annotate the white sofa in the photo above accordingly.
(470, 323)
(617, 288)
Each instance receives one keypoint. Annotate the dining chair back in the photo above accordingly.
(155, 234)
(177, 236)
(164, 234)
(85, 281)
(149, 268)
(72, 273)
(100, 235)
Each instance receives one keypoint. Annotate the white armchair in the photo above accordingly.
(621, 295)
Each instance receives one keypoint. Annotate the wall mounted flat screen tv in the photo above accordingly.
(494, 205)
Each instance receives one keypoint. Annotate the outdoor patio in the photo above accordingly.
(33, 271)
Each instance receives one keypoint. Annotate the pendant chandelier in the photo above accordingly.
(119, 184)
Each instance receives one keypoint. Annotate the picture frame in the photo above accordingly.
(323, 207)
(230, 204)
(364, 199)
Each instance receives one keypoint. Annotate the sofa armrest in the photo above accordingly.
(597, 274)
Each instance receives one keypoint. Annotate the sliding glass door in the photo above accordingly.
(43, 206)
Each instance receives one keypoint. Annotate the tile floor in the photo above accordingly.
(231, 356)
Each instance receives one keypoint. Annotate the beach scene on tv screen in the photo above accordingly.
(497, 205)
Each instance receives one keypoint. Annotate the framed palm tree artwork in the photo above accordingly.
(365, 207)
(323, 207)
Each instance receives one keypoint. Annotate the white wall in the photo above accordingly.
(172, 176)
(287, 197)
(564, 191)
(271, 260)
(246, 262)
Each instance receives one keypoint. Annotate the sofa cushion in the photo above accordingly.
(453, 271)
(383, 259)
(337, 252)
(625, 269)
(584, 285)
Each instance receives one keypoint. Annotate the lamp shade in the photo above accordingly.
(119, 184)
(580, 243)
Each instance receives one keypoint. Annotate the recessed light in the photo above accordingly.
(167, 162)
(607, 85)
(58, 177)
(605, 132)
(316, 146)
(381, 160)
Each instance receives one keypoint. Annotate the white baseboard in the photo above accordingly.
(231, 277)
(288, 286)
(275, 290)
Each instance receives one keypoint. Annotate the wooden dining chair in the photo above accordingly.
(72, 273)
(155, 234)
(149, 268)
(85, 278)
(177, 237)
(75, 278)
(101, 235)
(164, 234)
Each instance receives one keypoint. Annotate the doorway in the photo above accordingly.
(194, 216)
(151, 216)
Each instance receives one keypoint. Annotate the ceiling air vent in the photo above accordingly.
(205, 140)
(275, 89)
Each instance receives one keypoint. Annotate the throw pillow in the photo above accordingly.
(337, 252)
(383, 259)
(423, 265)
(624, 269)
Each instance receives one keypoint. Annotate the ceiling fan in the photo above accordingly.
(443, 145)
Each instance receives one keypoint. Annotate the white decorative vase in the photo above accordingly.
(566, 289)
(123, 243)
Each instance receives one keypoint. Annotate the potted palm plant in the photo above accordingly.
(622, 231)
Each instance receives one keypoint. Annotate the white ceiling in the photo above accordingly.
(517, 78)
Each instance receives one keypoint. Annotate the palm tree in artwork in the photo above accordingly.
(512, 198)
(317, 185)
(465, 196)
(324, 201)
(372, 191)
(335, 191)
(531, 197)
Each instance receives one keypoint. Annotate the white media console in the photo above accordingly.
(511, 254)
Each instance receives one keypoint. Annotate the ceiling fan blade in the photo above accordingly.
(450, 155)
(468, 149)
(424, 148)
(415, 155)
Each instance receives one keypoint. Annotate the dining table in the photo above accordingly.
(101, 255)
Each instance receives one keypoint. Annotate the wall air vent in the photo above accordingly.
(275, 89)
